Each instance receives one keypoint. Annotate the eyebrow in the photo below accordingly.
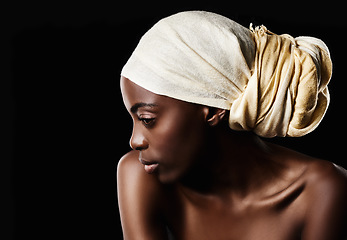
(136, 106)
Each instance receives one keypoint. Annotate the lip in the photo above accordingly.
(150, 167)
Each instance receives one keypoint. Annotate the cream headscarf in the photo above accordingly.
(274, 85)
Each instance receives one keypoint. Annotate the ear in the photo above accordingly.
(214, 115)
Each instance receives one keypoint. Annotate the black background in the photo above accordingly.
(67, 127)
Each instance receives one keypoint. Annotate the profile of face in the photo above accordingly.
(170, 134)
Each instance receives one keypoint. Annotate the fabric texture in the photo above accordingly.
(274, 85)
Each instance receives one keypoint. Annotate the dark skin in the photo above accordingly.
(210, 182)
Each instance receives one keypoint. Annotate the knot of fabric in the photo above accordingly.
(287, 94)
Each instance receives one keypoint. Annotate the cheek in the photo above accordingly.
(178, 142)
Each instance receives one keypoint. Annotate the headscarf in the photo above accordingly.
(274, 85)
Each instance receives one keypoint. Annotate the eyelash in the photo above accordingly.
(147, 122)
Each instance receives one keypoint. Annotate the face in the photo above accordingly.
(169, 133)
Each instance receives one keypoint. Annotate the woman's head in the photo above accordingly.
(167, 131)
(272, 85)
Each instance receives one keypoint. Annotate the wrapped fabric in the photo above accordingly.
(274, 85)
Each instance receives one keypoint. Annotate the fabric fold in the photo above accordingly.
(274, 85)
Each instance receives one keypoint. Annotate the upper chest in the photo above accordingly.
(278, 217)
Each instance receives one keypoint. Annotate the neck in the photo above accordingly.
(232, 161)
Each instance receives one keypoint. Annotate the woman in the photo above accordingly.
(201, 89)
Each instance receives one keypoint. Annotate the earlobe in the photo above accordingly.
(215, 116)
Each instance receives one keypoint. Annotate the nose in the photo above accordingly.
(137, 140)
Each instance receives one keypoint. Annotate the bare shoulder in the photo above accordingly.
(325, 176)
(140, 200)
(326, 184)
(324, 196)
(318, 175)
(128, 164)
(127, 160)
(134, 181)
(326, 191)
(130, 169)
